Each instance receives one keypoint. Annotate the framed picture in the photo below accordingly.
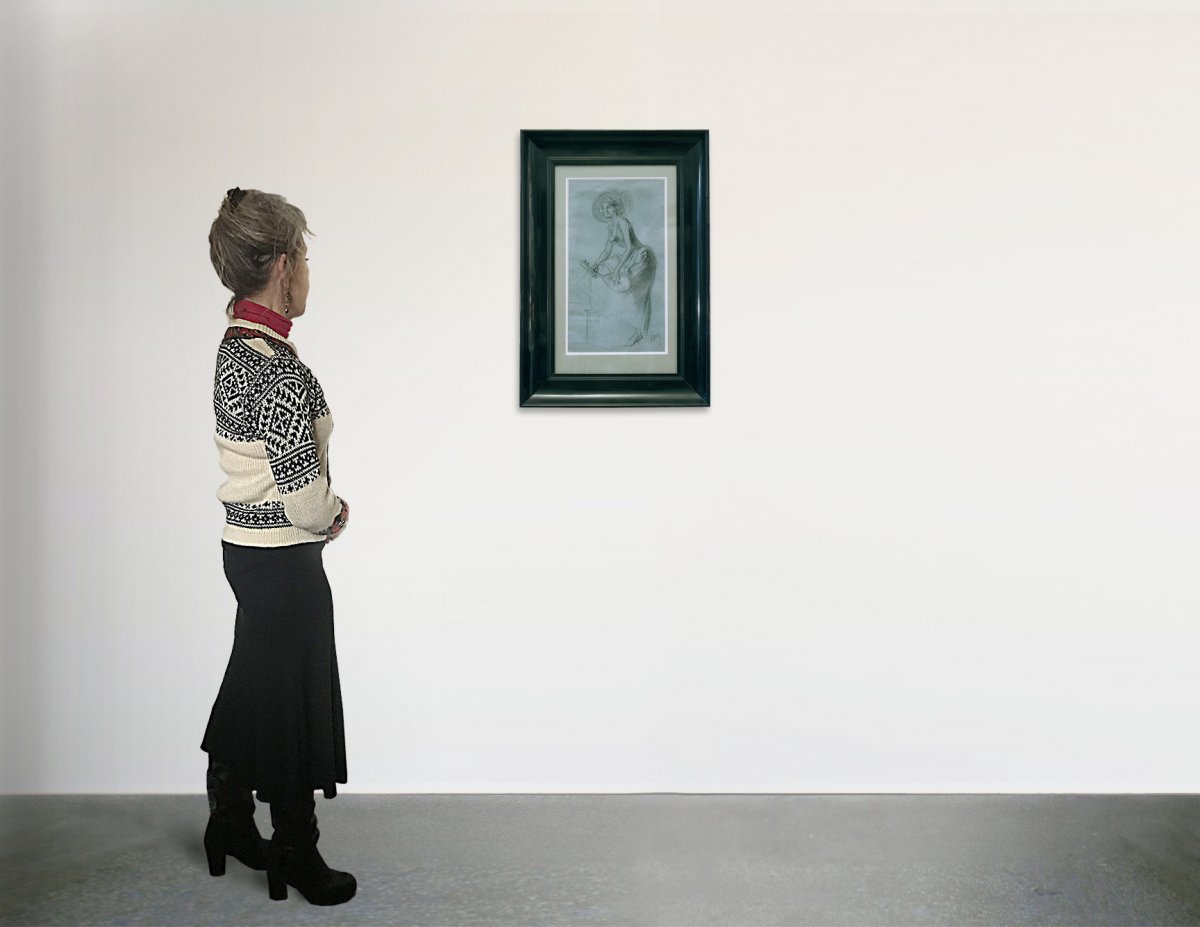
(614, 268)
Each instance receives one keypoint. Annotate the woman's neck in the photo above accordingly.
(251, 310)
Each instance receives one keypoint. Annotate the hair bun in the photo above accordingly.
(235, 196)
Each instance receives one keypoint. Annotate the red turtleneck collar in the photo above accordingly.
(253, 312)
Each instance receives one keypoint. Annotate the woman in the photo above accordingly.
(626, 265)
(276, 725)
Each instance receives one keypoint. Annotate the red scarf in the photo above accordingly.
(253, 312)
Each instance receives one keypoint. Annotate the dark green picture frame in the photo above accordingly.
(541, 153)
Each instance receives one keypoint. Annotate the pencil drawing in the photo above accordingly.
(614, 294)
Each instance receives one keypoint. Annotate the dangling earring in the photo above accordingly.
(287, 298)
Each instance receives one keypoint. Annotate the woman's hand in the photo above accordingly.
(339, 522)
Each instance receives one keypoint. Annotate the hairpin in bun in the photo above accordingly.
(235, 196)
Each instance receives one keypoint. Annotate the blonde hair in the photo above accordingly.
(251, 230)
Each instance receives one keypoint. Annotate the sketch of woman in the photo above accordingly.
(626, 266)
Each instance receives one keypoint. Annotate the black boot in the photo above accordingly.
(231, 830)
(293, 858)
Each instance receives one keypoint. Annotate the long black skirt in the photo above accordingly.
(277, 720)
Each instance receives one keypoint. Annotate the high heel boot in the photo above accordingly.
(231, 829)
(293, 858)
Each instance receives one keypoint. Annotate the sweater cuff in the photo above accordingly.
(312, 508)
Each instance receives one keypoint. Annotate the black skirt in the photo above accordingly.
(277, 720)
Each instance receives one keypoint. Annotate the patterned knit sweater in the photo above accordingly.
(273, 428)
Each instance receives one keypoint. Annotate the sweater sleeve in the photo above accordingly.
(284, 422)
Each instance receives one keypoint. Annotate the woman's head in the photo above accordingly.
(611, 203)
(257, 247)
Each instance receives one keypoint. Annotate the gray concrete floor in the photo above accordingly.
(661, 859)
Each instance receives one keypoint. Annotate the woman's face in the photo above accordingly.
(608, 209)
(299, 285)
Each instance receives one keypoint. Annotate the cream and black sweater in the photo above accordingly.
(273, 428)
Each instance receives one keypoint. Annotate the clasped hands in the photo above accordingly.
(339, 521)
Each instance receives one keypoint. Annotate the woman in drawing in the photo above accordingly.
(626, 265)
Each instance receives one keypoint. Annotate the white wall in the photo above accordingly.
(937, 532)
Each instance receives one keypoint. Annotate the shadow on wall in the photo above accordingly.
(21, 448)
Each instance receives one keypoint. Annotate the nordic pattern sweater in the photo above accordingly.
(273, 428)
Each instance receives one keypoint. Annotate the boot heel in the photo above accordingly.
(277, 885)
(216, 862)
